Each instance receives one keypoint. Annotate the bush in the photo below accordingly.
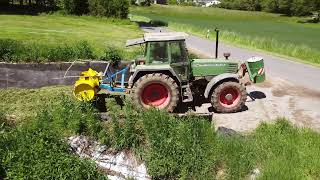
(9, 50)
(110, 8)
(77, 7)
(17, 51)
(157, 23)
(113, 54)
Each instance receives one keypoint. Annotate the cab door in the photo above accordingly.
(179, 59)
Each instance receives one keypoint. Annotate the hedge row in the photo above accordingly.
(22, 51)
(109, 8)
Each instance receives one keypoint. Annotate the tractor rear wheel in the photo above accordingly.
(156, 90)
(229, 97)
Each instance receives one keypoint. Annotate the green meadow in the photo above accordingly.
(61, 37)
(274, 33)
(56, 29)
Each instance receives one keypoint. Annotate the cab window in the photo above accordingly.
(178, 52)
(158, 52)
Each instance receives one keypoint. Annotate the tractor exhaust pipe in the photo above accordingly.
(217, 41)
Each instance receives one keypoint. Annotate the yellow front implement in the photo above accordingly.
(85, 89)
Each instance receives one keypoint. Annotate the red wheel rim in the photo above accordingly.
(229, 97)
(156, 95)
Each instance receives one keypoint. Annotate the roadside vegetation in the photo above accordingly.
(172, 147)
(259, 30)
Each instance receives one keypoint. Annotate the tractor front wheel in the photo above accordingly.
(156, 90)
(229, 97)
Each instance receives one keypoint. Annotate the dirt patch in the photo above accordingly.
(266, 84)
(301, 117)
(291, 90)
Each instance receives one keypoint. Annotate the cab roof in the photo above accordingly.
(151, 37)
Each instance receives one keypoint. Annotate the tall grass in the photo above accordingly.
(37, 150)
(264, 31)
(172, 147)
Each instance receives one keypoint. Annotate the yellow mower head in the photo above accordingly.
(85, 89)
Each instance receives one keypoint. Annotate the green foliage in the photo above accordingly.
(72, 117)
(236, 156)
(109, 8)
(36, 151)
(172, 147)
(157, 23)
(77, 7)
(8, 49)
(173, 2)
(113, 54)
(183, 148)
(19, 51)
(146, 3)
(5, 123)
(125, 130)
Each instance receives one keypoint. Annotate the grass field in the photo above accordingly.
(55, 30)
(270, 32)
(185, 148)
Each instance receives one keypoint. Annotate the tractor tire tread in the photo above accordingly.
(157, 77)
(215, 97)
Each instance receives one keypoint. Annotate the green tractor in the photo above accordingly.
(164, 77)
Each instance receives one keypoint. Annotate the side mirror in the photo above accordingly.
(227, 55)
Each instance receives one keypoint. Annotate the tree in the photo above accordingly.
(4, 2)
(77, 7)
(285, 7)
(109, 8)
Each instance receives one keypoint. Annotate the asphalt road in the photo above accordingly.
(276, 67)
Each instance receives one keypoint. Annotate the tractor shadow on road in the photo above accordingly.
(202, 106)
(198, 107)
(253, 95)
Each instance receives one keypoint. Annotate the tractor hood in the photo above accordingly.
(213, 67)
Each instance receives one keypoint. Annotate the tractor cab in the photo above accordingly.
(163, 50)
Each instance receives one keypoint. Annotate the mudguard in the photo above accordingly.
(152, 69)
(218, 79)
